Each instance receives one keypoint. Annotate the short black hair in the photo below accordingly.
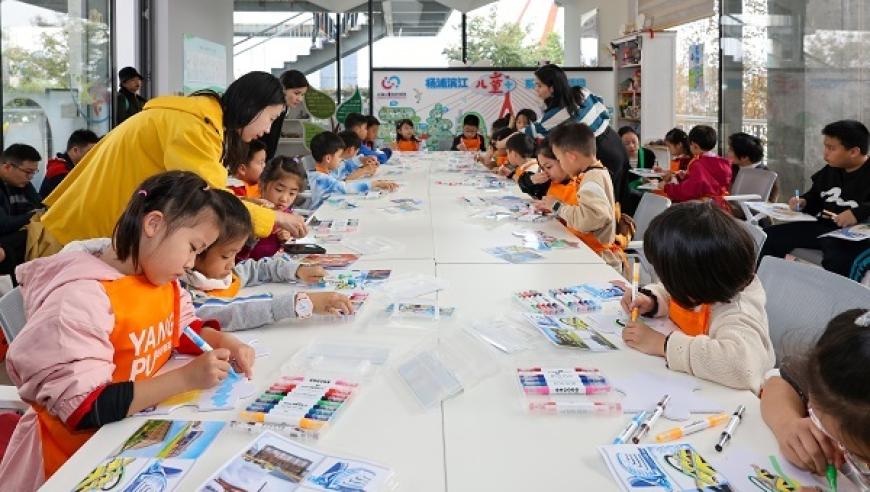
(80, 138)
(400, 124)
(16, 154)
(181, 196)
(703, 136)
(700, 253)
(522, 144)
(500, 134)
(282, 166)
(372, 121)
(350, 139)
(293, 79)
(236, 222)
(574, 136)
(354, 120)
(326, 143)
(746, 145)
(254, 146)
(471, 120)
(850, 133)
(627, 129)
(530, 115)
(544, 149)
(677, 136)
(500, 123)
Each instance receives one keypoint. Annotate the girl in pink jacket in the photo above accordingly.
(101, 324)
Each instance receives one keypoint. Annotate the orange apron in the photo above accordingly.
(519, 171)
(145, 332)
(567, 194)
(230, 291)
(692, 322)
(471, 143)
(246, 190)
(407, 145)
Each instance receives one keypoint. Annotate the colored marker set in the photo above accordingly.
(308, 402)
(552, 381)
(538, 302)
(577, 299)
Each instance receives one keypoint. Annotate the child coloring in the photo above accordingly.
(327, 149)
(244, 177)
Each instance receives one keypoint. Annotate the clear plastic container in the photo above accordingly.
(551, 389)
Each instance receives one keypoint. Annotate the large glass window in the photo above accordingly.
(514, 33)
(412, 33)
(696, 83)
(56, 72)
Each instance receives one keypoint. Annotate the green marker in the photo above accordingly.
(831, 473)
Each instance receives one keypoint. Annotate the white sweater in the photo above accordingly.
(736, 353)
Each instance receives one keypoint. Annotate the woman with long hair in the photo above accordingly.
(295, 86)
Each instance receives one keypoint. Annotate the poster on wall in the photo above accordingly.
(205, 65)
(696, 68)
(437, 101)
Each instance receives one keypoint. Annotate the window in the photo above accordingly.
(589, 39)
(56, 75)
(413, 34)
(697, 73)
(514, 33)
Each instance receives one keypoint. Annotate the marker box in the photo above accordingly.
(576, 299)
(538, 302)
(554, 390)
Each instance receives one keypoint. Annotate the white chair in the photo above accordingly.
(650, 206)
(751, 185)
(12, 314)
(757, 233)
(801, 300)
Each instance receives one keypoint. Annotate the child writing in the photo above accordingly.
(354, 166)
(82, 360)
(520, 150)
(839, 196)
(707, 177)
(818, 405)
(280, 184)
(326, 149)
(244, 177)
(747, 151)
(216, 279)
(708, 289)
(406, 139)
(358, 123)
(593, 216)
(470, 140)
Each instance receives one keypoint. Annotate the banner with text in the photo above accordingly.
(437, 101)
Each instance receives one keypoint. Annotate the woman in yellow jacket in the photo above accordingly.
(195, 133)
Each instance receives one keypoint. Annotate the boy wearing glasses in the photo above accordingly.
(18, 202)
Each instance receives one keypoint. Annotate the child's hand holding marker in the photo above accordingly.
(242, 355)
(207, 370)
(642, 338)
(643, 303)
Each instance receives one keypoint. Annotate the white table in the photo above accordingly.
(482, 439)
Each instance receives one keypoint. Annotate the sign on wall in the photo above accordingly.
(205, 65)
(437, 101)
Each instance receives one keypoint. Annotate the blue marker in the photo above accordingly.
(797, 205)
(203, 345)
(630, 429)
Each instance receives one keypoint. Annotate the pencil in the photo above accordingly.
(635, 280)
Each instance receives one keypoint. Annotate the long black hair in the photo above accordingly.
(243, 100)
(293, 79)
(399, 125)
(564, 96)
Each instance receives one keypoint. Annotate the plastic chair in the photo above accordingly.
(801, 300)
(751, 184)
(758, 235)
(651, 204)
(12, 314)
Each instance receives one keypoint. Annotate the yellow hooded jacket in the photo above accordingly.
(171, 133)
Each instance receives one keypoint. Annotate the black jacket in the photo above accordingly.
(536, 191)
(127, 104)
(271, 138)
(836, 191)
(16, 206)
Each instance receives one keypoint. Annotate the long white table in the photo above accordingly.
(481, 440)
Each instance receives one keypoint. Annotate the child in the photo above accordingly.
(354, 166)
(745, 150)
(641, 157)
(707, 177)
(677, 143)
(216, 279)
(280, 184)
(326, 149)
(497, 154)
(18, 202)
(77, 145)
(100, 325)
(538, 184)
(839, 196)
(593, 217)
(406, 139)
(524, 118)
(520, 150)
(358, 123)
(373, 126)
(244, 177)
(708, 289)
(818, 407)
(470, 140)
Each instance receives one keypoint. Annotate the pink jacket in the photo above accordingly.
(708, 176)
(63, 353)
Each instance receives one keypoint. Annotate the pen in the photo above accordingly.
(203, 345)
(630, 429)
(696, 426)
(725, 438)
(647, 425)
(635, 279)
(831, 473)
(797, 196)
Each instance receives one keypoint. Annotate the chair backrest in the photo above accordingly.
(757, 233)
(650, 205)
(754, 181)
(801, 300)
(12, 314)
(308, 163)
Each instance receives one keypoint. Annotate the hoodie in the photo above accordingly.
(171, 133)
(708, 176)
(63, 354)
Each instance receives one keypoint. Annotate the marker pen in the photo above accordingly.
(573, 390)
(540, 369)
(647, 425)
(203, 345)
(630, 429)
(726, 435)
(577, 407)
(696, 426)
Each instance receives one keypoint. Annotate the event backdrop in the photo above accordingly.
(437, 100)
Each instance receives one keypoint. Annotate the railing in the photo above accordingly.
(757, 127)
(270, 31)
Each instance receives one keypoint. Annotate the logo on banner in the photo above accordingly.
(391, 82)
(495, 84)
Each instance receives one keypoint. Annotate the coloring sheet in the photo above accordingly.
(224, 396)
(156, 457)
(354, 279)
(663, 468)
(780, 212)
(514, 254)
(334, 226)
(642, 391)
(571, 331)
(754, 472)
(330, 261)
(541, 241)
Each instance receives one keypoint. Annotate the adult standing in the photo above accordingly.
(129, 102)
(195, 133)
(295, 86)
(562, 103)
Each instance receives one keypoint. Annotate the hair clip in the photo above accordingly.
(205, 188)
(142, 192)
(863, 320)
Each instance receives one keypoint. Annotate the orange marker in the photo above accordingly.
(635, 280)
(696, 426)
